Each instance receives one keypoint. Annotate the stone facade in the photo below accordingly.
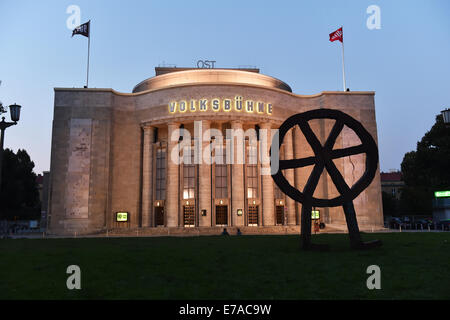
(111, 152)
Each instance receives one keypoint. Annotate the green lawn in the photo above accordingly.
(413, 266)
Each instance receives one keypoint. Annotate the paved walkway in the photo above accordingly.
(213, 231)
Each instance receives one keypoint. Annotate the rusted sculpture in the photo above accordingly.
(323, 159)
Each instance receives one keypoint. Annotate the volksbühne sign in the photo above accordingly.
(237, 104)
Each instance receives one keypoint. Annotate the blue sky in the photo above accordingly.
(406, 62)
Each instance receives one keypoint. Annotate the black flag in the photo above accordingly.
(82, 29)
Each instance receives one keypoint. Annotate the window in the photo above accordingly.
(188, 175)
(252, 172)
(160, 174)
(221, 174)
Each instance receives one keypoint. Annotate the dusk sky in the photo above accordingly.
(406, 62)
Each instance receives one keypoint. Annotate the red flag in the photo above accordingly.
(337, 35)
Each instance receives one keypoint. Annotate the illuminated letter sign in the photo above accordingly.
(220, 104)
(216, 104)
(203, 106)
(172, 107)
(226, 105)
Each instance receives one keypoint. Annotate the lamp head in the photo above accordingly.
(15, 112)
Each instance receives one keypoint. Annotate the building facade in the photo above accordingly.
(392, 183)
(112, 161)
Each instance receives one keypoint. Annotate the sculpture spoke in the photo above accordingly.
(337, 178)
(337, 128)
(297, 163)
(310, 137)
(313, 181)
(340, 153)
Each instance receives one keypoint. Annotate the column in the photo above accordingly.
(297, 174)
(205, 176)
(237, 174)
(147, 177)
(289, 174)
(172, 182)
(268, 201)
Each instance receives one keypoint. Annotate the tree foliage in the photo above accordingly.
(426, 169)
(19, 193)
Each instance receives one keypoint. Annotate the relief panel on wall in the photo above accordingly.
(78, 172)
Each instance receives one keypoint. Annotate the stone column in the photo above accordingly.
(172, 182)
(205, 176)
(268, 204)
(298, 138)
(147, 177)
(288, 155)
(237, 174)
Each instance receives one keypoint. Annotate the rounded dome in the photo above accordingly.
(222, 76)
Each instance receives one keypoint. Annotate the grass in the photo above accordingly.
(413, 266)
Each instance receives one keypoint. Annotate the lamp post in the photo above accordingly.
(14, 110)
(446, 116)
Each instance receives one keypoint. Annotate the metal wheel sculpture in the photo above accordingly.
(323, 159)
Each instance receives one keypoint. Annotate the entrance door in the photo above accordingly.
(221, 215)
(189, 217)
(159, 215)
(280, 214)
(252, 215)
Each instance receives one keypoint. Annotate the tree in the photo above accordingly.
(426, 169)
(19, 195)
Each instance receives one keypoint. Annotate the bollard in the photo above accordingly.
(400, 227)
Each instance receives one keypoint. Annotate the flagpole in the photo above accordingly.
(343, 63)
(89, 48)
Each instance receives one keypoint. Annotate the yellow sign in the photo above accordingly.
(238, 104)
(442, 194)
(315, 214)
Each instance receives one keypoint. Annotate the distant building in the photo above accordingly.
(392, 183)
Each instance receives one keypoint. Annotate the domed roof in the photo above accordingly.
(202, 76)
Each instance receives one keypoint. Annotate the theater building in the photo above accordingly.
(112, 167)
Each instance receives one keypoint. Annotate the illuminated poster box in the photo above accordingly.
(315, 214)
(122, 216)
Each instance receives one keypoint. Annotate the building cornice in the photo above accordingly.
(323, 93)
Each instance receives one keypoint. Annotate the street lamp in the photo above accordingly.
(14, 110)
(446, 116)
